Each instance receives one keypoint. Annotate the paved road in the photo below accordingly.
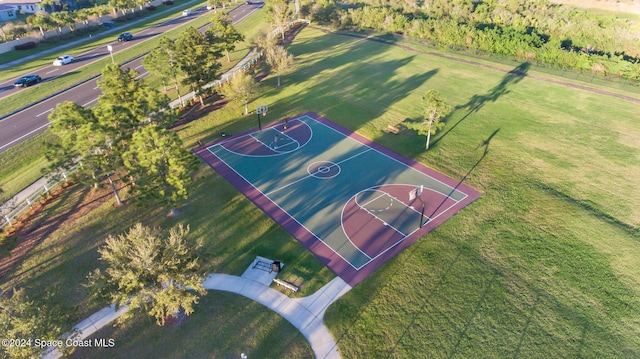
(24, 124)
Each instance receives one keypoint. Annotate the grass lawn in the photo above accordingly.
(208, 333)
(544, 264)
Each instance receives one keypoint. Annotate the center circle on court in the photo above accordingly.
(323, 169)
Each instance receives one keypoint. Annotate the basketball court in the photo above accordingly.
(351, 202)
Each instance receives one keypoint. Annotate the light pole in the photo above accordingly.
(110, 48)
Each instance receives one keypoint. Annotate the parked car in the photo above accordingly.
(127, 36)
(63, 60)
(168, 2)
(27, 80)
(186, 12)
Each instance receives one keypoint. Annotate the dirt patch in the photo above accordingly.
(39, 223)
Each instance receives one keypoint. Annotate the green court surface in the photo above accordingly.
(344, 197)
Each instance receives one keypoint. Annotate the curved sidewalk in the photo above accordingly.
(306, 313)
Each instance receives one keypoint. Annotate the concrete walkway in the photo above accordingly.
(306, 314)
(9, 205)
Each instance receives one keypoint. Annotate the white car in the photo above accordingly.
(186, 12)
(63, 60)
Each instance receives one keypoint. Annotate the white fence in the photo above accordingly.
(242, 66)
(26, 204)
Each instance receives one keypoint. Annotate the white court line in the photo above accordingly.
(40, 114)
(368, 148)
(386, 224)
(384, 154)
(410, 234)
(308, 175)
(290, 216)
(279, 153)
(25, 135)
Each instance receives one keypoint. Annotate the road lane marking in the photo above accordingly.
(94, 100)
(25, 135)
(54, 70)
(49, 110)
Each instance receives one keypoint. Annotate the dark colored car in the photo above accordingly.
(127, 36)
(27, 80)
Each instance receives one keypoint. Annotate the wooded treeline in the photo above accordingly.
(533, 30)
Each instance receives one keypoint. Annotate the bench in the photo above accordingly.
(392, 129)
(287, 285)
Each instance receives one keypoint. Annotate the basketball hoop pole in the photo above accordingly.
(259, 124)
(421, 201)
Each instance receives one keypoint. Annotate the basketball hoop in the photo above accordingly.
(413, 194)
(261, 110)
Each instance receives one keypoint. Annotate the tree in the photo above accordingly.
(280, 61)
(198, 56)
(282, 15)
(241, 88)
(24, 320)
(120, 87)
(40, 20)
(224, 29)
(163, 61)
(151, 272)
(263, 41)
(61, 19)
(121, 5)
(97, 138)
(159, 165)
(435, 109)
(214, 4)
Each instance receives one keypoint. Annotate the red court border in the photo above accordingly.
(330, 258)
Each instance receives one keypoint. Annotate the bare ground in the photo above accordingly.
(42, 222)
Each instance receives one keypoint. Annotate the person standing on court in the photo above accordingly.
(286, 124)
(275, 141)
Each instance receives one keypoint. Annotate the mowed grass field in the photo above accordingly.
(545, 264)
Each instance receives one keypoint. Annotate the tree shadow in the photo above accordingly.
(477, 102)
(485, 152)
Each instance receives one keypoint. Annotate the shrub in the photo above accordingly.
(26, 46)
